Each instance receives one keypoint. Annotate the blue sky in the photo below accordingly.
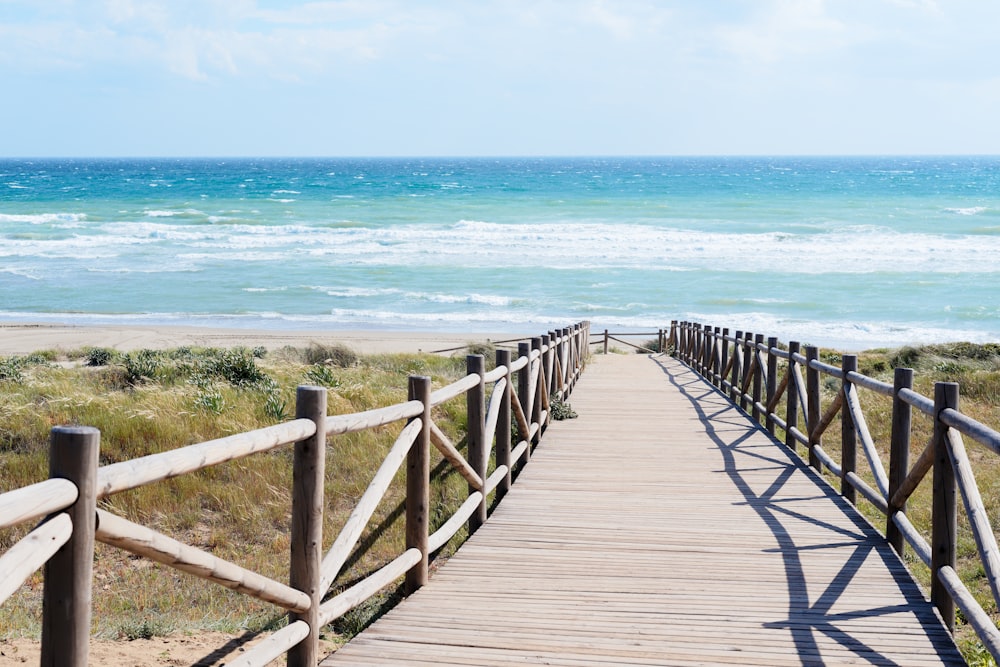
(498, 77)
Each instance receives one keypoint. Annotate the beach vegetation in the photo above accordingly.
(330, 355)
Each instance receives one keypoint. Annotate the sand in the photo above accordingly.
(213, 648)
(24, 338)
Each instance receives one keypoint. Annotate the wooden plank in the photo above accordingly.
(663, 527)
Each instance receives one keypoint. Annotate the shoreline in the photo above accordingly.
(19, 338)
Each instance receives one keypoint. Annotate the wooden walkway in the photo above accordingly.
(662, 527)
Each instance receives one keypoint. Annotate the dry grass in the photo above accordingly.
(149, 402)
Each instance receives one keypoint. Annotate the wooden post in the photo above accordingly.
(944, 515)
(503, 425)
(523, 390)
(757, 377)
(536, 407)
(66, 599)
(791, 398)
(708, 352)
(848, 435)
(772, 381)
(478, 449)
(723, 355)
(673, 336)
(812, 404)
(308, 485)
(605, 341)
(718, 344)
(734, 382)
(418, 485)
(899, 453)
(747, 358)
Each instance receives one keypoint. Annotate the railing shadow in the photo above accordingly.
(810, 615)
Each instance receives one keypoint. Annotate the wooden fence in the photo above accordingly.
(756, 374)
(619, 337)
(546, 368)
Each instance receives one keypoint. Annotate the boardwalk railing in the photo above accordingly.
(546, 369)
(759, 375)
(619, 337)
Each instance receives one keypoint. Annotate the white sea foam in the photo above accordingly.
(971, 210)
(43, 218)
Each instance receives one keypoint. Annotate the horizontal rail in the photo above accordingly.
(362, 421)
(873, 496)
(339, 605)
(440, 537)
(138, 472)
(913, 537)
(32, 552)
(272, 648)
(827, 369)
(124, 534)
(455, 389)
(981, 622)
(35, 501)
(825, 459)
(918, 401)
(870, 383)
(978, 431)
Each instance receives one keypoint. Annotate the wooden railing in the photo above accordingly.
(546, 368)
(758, 375)
(619, 337)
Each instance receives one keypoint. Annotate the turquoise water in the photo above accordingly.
(831, 251)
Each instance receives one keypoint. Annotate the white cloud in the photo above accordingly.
(786, 29)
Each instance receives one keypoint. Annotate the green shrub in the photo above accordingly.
(332, 355)
(99, 356)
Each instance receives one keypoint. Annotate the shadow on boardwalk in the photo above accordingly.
(663, 527)
(806, 619)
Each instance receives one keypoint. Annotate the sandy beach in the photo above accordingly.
(24, 338)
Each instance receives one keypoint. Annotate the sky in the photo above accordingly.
(498, 77)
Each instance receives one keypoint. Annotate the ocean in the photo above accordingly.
(832, 251)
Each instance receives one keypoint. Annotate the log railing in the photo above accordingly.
(758, 376)
(661, 336)
(545, 369)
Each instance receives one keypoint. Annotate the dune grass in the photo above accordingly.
(150, 401)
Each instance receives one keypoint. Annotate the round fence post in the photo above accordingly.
(475, 400)
(605, 341)
(524, 391)
(308, 485)
(747, 361)
(944, 514)
(791, 398)
(418, 484)
(66, 599)
(757, 377)
(899, 453)
(503, 425)
(771, 386)
(812, 405)
(536, 399)
(672, 342)
(848, 434)
(734, 382)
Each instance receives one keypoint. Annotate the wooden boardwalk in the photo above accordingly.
(662, 527)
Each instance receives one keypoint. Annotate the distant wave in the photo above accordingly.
(42, 218)
(971, 210)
